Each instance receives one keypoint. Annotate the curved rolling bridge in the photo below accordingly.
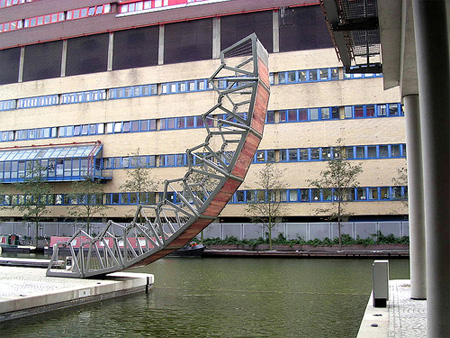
(217, 167)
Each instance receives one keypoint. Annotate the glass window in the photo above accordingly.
(282, 115)
(270, 155)
(302, 76)
(303, 114)
(260, 156)
(315, 153)
(360, 152)
(292, 76)
(361, 194)
(304, 155)
(126, 127)
(293, 195)
(304, 195)
(384, 193)
(325, 113)
(323, 73)
(372, 151)
(270, 117)
(326, 153)
(348, 112)
(359, 111)
(334, 74)
(393, 109)
(384, 151)
(315, 195)
(240, 197)
(135, 126)
(335, 113)
(293, 155)
(313, 75)
(314, 113)
(370, 110)
(373, 193)
(292, 115)
(395, 150)
(281, 78)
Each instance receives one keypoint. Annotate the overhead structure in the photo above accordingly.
(354, 29)
(216, 168)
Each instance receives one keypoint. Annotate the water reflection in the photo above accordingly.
(226, 298)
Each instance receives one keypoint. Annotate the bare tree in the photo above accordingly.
(87, 200)
(32, 201)
(402, 180)
(139, 179)
(266, 206)
(338, 179)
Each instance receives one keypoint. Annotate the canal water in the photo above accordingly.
(226, 297)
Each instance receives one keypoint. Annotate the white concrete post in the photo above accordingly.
(417, 248)
(216, 38)
(432, 46)
(161, 45)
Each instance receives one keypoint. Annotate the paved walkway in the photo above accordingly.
(27, 291)
(402, 318)
(407, 317)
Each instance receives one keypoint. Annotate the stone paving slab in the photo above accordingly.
(402, 318)
(407, 317)
(26, 291)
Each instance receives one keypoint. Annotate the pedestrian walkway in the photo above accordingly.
(402, 318)
(27, 291)
(407, 317)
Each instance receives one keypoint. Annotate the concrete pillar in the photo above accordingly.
(276, 32)
(161, 45)
(64, 58)
(417, 248)
(432, 48)
(216, 38)
(110, 51)
(21, 62)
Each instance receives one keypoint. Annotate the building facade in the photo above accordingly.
(101, 89)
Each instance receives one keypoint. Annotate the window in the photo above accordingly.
(314, 114)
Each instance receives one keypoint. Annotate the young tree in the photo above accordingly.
(402, 180)
(266, 206)
(32, 202)
(139, 178)
(87, 200)
(341, 176)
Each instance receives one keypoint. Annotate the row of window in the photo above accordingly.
(55, 17)
(394, 193)
(8, 3)
(264, 156)
(148, 90)
(68, 169)
(188, 122)
(66, 162)
(140, 6)
(334, 113)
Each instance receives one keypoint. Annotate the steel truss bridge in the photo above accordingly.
(205, 189)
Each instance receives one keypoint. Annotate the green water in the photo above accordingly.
(226, 297)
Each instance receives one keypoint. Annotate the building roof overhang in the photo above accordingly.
(398, 46)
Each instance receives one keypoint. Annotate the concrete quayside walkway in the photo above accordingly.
(402, 318)
(28, 291)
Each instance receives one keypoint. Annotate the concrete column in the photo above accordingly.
(432, 46)
(417, 248)
(21, 62)
(276, 32)
(216, 39)
(110, 51)
(64, 58)
(161, 45)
